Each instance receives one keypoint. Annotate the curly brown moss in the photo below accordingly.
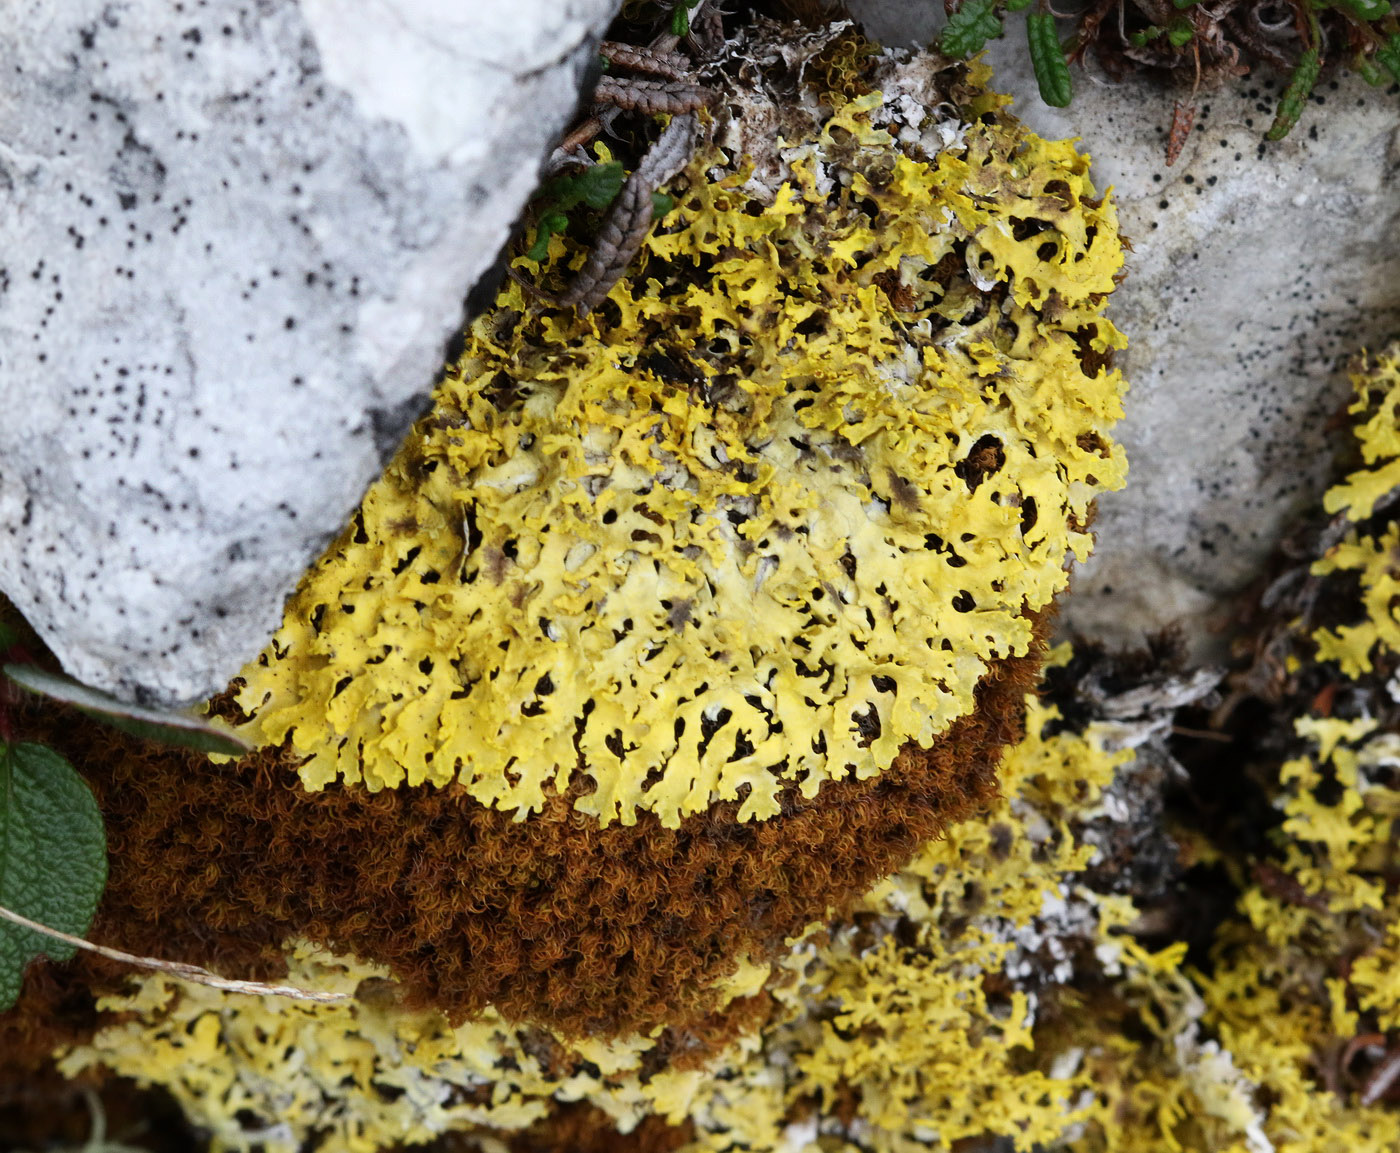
(552, 920)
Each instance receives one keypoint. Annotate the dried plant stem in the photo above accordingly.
(670, 65)
(629, 219)
(1382, 1080)
(176, 968)
(650, 96)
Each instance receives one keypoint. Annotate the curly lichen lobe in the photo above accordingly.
(1372, 544)
(764, 518)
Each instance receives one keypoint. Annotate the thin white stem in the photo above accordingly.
(177, 968)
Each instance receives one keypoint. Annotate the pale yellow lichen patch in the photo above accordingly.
(765, 517)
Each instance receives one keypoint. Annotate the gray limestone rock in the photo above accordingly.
(235, 239)
(1258, 271)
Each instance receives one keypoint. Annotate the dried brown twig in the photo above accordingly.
(629, 218)
(650, 62)
(650, 96)
(176, 968)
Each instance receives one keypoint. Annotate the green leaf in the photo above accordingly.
(550, 223)
(1290, 107)
(599, 185)
(184, 730)
(680, 21)
(1180, 31)
(1365, 9)
(596, 186)
(1388, 57)
(1367, 70)
(1017, 5)
(53, 858)
(969, 28)
(8, 637)
(661, 204)
(1048, 60)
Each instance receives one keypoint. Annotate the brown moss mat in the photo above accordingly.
(552, 919)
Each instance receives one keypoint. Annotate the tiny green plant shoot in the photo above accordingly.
(595, 187)
(1134, 34)
(973, 22)
(53, 849)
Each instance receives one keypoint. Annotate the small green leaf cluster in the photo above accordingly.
(594, 187)
(1178, 32)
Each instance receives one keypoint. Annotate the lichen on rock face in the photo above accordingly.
(1370, 555)
(764, 518)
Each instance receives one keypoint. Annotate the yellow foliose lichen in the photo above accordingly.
(766, 516)
(1373, 555)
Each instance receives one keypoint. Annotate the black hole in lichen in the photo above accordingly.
(709, 726)
(985, 458)
(1092, 362)
(1023, 228)
(610, 517)
(884, 684)
(963, 602)
(1047, 251)
(848, 564)
(544, 686)
(408, 558)
(1028, 515)
(473, 533)
(868, 725)
(1002, 839)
